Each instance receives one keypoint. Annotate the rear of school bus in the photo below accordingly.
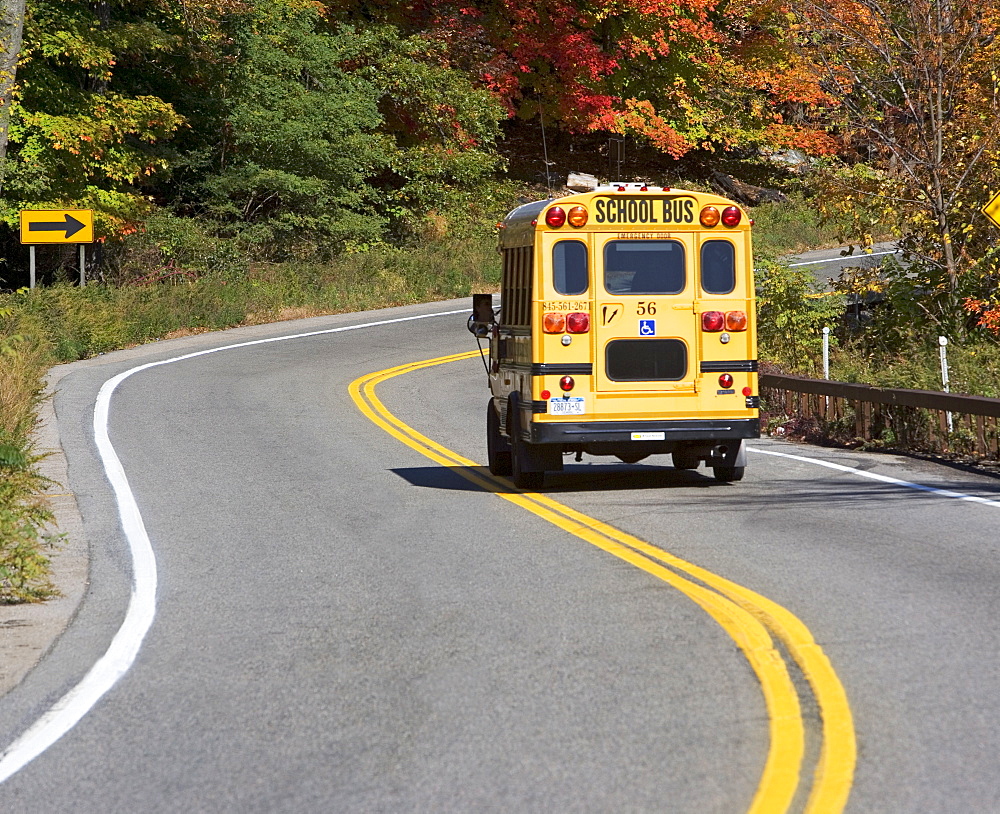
(627, 328)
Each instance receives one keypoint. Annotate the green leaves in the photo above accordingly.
(330, 137)
(78, 134)
(792, 312)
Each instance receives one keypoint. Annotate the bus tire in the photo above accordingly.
(633, 458)
(728, 474)
(682, 460)
(525, 471)
(498, 453)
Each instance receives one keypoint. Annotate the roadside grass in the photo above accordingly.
(24, 516)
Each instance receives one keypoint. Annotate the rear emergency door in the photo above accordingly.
(645, 315)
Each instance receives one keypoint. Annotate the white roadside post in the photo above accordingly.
(826, 353)
(826, 361)
(942, 348)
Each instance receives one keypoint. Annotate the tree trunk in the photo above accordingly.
(11, 28)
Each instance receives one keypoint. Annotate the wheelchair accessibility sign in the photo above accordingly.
(647, 327)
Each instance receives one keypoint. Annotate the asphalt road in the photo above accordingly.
(826, 265)
(342, 624)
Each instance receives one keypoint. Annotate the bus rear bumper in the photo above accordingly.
(640, 432)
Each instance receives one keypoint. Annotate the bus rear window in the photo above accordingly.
(646, 360)
(570, 275)
(644, 267)
(718, 267)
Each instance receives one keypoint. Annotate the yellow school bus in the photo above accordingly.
(626, 327)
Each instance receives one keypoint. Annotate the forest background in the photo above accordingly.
(250, 160)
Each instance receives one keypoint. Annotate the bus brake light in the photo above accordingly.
(578, 323)
(566, 383)
(713, 321)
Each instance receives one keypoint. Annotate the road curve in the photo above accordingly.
(341, 625)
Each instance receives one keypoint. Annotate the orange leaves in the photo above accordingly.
(640, 117)
(987, 313)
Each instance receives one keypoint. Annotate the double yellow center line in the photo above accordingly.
(747, 617)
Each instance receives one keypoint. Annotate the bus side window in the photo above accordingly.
(569, 267)
(718, 267)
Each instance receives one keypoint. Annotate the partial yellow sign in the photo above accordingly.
(57, 226)
(992, 209)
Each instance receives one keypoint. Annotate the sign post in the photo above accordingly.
(62, 226)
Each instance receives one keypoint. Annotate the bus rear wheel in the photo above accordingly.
(684, 460)
(728, 474)
(498, 453)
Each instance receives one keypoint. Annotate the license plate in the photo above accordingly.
(573, 405)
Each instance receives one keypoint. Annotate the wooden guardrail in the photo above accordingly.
(915, 420)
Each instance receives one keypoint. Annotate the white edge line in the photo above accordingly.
(841, 259)
(882, 478)
(62, 716)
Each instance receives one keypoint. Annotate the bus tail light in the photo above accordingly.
(554, 323)
(577, 216)
(710, 217)
(578, 323)
(713, 321)
(731, 216)
(736, 321)
(566, 383)
(726, 381)
(555, 217)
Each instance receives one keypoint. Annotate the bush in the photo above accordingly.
(792, 312)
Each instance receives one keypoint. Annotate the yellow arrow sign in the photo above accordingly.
(57, 226)
(992, 209)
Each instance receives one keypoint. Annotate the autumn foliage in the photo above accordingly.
(694, 73)
(303, 126)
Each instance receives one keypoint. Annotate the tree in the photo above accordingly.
(11, 28)
(76, 135)
(919, 109)
(679, 74)
(331, 137)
